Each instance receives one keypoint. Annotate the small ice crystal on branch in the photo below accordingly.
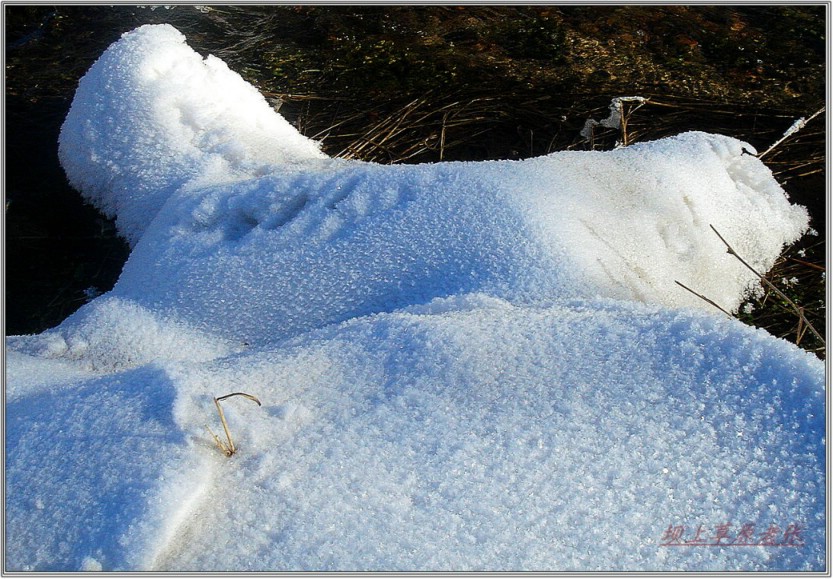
(92, 292)
(797, 125)
(615, 119)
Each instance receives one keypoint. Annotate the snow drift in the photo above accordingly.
(464, 366)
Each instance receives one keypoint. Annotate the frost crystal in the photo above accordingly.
(795, 127)
(614, 120)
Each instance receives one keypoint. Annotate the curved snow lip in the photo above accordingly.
(112, 334)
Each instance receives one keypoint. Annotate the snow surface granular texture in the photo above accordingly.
(142, 124)
(463, 366)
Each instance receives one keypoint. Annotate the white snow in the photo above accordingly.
(463, 366)
(142, 124)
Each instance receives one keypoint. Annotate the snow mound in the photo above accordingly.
(463, 366)
(117, 334)
(480, 436)
(151, 114)
(305, 247)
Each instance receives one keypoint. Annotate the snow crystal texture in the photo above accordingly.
(141, 125)
(463, 366)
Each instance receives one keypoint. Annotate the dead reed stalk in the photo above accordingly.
(228, 448)
(798, 310)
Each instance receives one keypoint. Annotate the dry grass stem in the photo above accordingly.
(228, 448)
(702, 297)
(625, 117)
(798, 310)
(796, 126)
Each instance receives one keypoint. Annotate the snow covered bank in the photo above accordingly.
(470, 434)
(463, 365)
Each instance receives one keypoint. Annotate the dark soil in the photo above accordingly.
(417, 84)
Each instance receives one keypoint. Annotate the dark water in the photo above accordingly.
(461, 83)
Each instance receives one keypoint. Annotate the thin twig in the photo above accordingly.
(626, 117)
(799, 333)
(702, 297)
(772, 286)
(249, 396)
(796, 126)
(442, 134)
(807, 264)
(229, 448)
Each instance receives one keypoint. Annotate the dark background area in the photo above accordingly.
(424, 84)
